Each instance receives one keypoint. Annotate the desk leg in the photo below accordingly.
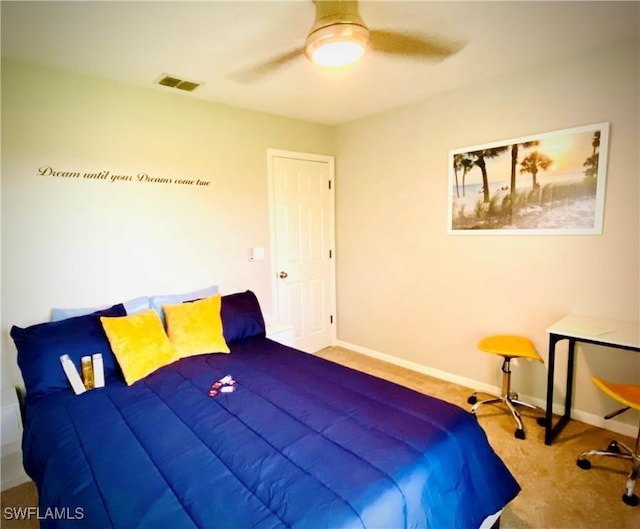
(548, 424)
(569, 393)
(550, 431)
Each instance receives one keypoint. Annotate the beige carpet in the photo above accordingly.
(555, 492)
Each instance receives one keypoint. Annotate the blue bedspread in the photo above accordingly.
(302, 442)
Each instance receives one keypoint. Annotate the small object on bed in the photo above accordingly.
(72, 375)
(87, 372)
(225, 385)
(227, 380)
(98, 370)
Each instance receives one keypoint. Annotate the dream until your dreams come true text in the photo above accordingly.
(108, 176)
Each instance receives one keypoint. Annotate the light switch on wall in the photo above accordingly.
(256, 254)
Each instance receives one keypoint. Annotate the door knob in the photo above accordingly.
(283, 275)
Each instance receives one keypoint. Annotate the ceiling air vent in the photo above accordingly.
(174, 82)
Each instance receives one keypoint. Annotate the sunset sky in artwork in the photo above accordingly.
(568, 152)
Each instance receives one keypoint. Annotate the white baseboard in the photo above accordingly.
(13, 473)
(580, 415)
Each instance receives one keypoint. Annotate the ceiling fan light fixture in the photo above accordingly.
(337, 45)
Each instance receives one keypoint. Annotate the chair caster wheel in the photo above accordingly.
(472, 399)
(542, 421)
(584, 464)
(520, 433)
(631, 500)
(613, 447)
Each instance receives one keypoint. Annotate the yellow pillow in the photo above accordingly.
(139, 343)
(196, 327)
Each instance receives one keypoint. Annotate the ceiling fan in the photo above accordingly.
(339, 36)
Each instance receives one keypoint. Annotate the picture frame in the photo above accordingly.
(548, 183)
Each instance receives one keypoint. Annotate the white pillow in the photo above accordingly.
(132, 306)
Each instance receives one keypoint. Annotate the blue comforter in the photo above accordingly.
(301, 442)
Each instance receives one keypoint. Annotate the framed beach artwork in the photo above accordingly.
(548, 183)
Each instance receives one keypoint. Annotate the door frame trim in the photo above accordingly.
(330, 160)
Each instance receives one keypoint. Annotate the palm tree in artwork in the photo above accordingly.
(457, 159)
(514, 161)
(479, 158)
(591, 163)
(533, 163)
(467, 165)
(464, 163)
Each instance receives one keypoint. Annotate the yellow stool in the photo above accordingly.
(508, 347)
(629, 396)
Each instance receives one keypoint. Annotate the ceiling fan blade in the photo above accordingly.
(256, 72)
(415, 46)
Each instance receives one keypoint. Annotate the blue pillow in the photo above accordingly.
(40, 347)
(157, 302)
(241, 317)
(132, 306)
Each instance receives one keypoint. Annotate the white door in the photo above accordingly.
(302, 211)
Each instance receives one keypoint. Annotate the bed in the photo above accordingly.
(299, 441)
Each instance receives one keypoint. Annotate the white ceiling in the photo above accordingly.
(213, 41)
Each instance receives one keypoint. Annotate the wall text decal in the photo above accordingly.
(108, 176)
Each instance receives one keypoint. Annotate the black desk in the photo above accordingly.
(609, 333)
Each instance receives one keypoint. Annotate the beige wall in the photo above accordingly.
(72, 242)
(406, 288)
